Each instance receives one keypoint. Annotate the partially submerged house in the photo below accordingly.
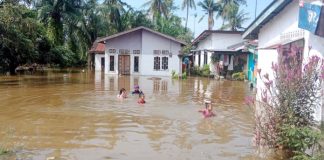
(223, 51)
(281, 23)
(141, 51)
(96, 58)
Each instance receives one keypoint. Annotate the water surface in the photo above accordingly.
(77, 116)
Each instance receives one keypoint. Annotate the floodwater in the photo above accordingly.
(76, 116)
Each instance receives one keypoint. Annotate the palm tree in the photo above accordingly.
(226, 6)
(188, 4)
(235, 19)
(159, 8)
(58, 13)
(210, 7)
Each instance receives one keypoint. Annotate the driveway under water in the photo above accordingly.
(77, 116)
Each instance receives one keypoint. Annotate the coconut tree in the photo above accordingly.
(235, 19)
(209, 7)
(158, 8)
(188, 4)
(227, 6)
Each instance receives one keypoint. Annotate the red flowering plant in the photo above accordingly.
(284, 113)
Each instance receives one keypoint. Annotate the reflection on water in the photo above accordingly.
(77, 116)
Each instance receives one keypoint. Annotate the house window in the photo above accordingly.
(124, 51)
(165, 63)
(136, 62)
(111, 63)
(156, 52)
(156, 63)
(112, 51)
(165, 52)
(136, 52)
(205, 58)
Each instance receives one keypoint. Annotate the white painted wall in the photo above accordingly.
(151, 42)
(97, 61)
(285, 21)
(146, 42)
(216, 41)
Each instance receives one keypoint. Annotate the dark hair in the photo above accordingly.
(141, 94)
(121, 91)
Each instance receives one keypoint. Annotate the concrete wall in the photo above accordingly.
(286, 21)
(146, 42)
(131, 41)
(97, 61)
(151, 42)
(216, 41)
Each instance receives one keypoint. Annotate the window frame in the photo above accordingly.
(138, 59)
(157, 67)
(163, 65)
(111, 65)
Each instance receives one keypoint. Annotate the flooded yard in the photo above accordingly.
(77, 116)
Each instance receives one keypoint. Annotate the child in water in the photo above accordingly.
(122, 93)
(141, 99)
(208, 111)
(136, 90)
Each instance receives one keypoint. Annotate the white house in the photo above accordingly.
(96, 58)
(278, 25)
(220, 43)
(142, 51)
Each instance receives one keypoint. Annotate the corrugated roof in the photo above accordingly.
(102, 40)
(97, 48)
(266, 15)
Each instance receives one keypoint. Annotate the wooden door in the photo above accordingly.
(124, 64)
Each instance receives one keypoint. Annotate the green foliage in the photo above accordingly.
(174, 75)
(20, 33)
(198, 71)
(298, 138)
(239, 76)
(184, 75)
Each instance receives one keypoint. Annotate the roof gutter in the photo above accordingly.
(263, 18)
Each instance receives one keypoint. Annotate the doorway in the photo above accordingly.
(102, 63)
(124, 64)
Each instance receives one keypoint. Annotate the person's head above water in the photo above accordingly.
(122, 90)
(141, 95)
(208, 104)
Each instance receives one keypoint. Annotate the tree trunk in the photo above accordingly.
(187, 17)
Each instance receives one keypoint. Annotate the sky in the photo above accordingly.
(193, 24)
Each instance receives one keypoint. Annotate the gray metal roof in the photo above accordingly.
(266, 15)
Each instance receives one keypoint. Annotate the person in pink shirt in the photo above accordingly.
(208, 111)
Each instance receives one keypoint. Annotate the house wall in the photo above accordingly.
(97, 61)
(151, 42)
(215, 41)
(131, 41)
(286, 21)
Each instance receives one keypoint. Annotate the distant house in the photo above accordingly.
(97, 56)
(141, 51)
(278, 25)
(227, 46)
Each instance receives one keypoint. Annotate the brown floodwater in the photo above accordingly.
(77, 116)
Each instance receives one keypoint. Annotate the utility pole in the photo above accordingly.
(255, 9)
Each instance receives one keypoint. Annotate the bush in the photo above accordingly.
(204, 71)
(285, 115)
(239, 76)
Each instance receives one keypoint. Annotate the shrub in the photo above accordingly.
(284, 117)
(239, 76)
